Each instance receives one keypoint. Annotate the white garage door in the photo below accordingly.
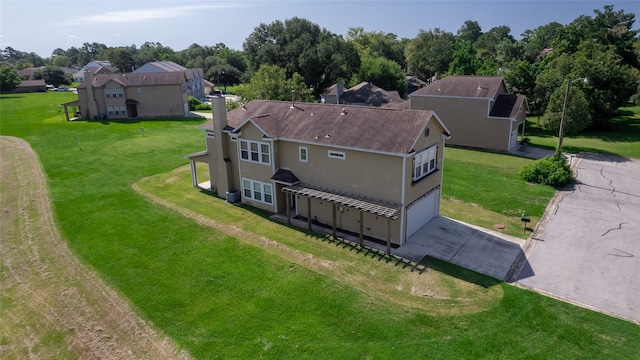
(421, 212)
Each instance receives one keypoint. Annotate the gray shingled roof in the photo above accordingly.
(367, 128)
(129, 79)
(464, 86)
(366, 92)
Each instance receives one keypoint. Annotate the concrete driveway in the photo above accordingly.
(587, 249)
(482, 250)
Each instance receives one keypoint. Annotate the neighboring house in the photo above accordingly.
(208, 87)
(28, 72)
(413, 84)
(478, 110)
(132, 95)
(94, 67)
(195, 77)
(363, 94)
(375, 172)
(27, 86)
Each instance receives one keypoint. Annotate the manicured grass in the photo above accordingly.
(484, 189)
(220, 296)
(623, 137)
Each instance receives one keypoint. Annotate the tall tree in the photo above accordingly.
(377, 44)
(611, 27)
(488, 42)
(270, 82)
(464, 61)
(9, 78)
(470, 31)
(577, 116)
(430, 53)
(123, 58)
(383, 73)
(298, 45)
(53, 75)
(535, 41)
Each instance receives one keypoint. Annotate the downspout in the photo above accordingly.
(403, 211)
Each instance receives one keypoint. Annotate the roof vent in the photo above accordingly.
(344, 111)
(293, 102)
(244, 108)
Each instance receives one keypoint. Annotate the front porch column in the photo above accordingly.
(334, 221)
(66, 112)
(361, 228)
(388, 236)
(288, 204)
(309, 213)
(194, 173)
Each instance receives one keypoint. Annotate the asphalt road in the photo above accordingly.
(588, 250)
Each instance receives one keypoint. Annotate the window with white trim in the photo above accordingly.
(113, 93)
(303, 154)
(424, 162)
(258, 191)
(117, 110)
(337, 155)
(255, 151)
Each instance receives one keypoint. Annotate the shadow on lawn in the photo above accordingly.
(375, 254)
(459, 272)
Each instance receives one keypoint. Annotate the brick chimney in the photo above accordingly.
(92, 104)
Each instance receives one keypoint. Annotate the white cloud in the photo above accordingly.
(129, 16)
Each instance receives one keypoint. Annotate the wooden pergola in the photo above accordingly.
(380, 208)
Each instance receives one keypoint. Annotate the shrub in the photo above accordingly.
(193, 103)
(552, 171)
(203, 106)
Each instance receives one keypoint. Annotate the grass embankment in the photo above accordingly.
(622, 138)
(221, 296)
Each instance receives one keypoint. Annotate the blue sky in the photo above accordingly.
(41, 26)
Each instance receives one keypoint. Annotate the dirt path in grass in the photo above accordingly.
(51, 305)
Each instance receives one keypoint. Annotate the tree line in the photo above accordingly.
(299, 55)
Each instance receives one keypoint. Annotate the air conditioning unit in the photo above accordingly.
(233, 196)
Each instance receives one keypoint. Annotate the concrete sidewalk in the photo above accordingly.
(485, 251)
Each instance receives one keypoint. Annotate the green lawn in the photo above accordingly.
(241, 296)
(484, 189)
(623, 137)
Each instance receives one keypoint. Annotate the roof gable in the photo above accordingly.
(507, 105)
(366, 128)
(366, 92)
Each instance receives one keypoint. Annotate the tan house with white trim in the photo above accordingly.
(478, 110)
(132, 95)
(372, 171)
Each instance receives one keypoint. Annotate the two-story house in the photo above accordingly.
(195, 77)
(372, 171)
(478, 110)
(131, 95)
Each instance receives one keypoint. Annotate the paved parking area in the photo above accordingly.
(482, 250)
(588, 249)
